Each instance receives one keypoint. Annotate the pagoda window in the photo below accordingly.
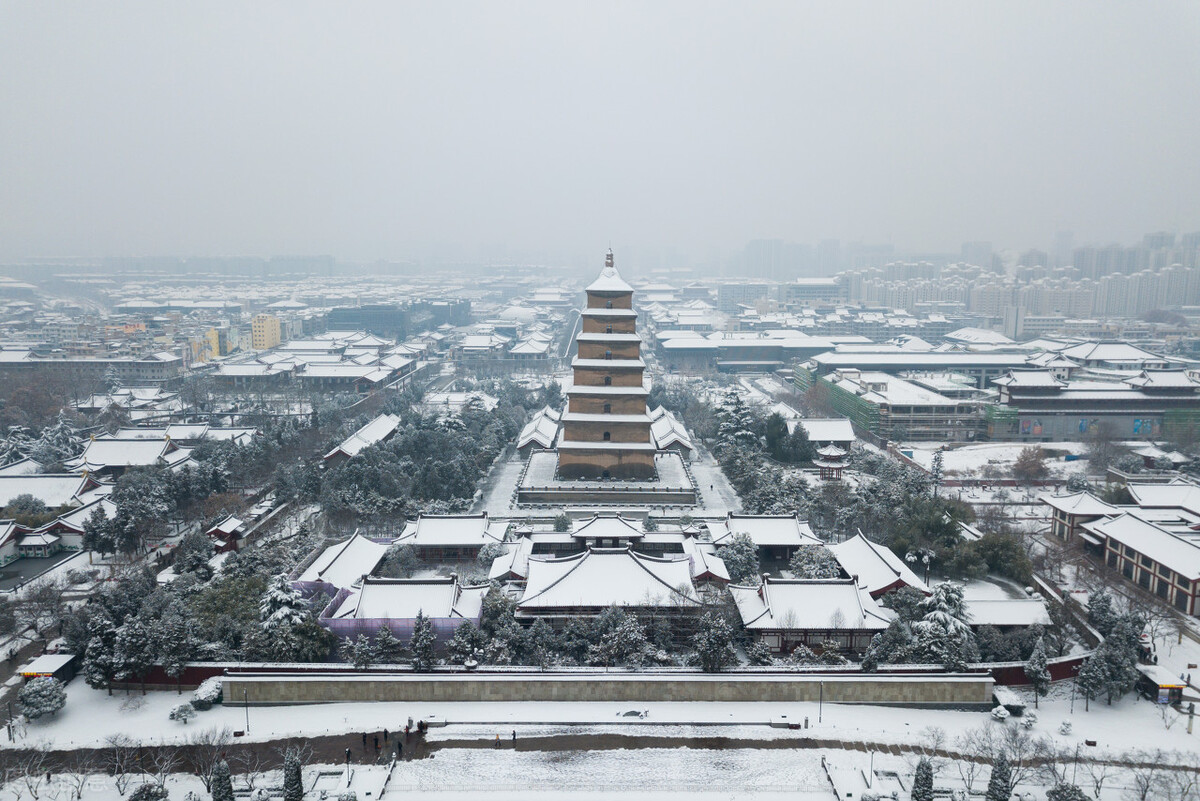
(608, 354)
(607, 437)
(608, 329)
(608, 380)
(608, 304)
(608, 408)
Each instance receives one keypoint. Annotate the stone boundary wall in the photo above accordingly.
(947, 690)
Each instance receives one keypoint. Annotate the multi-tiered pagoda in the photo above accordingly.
(606, 428)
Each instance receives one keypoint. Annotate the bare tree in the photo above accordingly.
(1146, 773)
(43, 604)
(252, 764)
(162, 760)
(123, 760)
(203, 751)
(1183, 783)
(1054, 763)
(1097, 772)
(31, 770)
(973, 751)
(85, 763)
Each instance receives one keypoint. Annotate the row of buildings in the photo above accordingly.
(606, 560)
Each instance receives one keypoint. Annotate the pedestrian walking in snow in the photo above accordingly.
(385, 735)
(399, 750)
(514, 736)
(497, 740)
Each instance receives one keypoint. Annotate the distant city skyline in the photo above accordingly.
(546, 132)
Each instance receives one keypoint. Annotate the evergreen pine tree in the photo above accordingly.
(176, 645)
(222, 785)
(923, 781)
(97, 531)
(40, 696)
(293, 780)
(1066, 792)
(1000, 783)
(1037, 671)
(99, 664)
(1091, 678)
(359, 652)
(740, 555)
(387, 646)
(714, 643)
(421, 644)
(135, 651)
(937, 471)
(281, 606)
(192, 555)
(1101, 614)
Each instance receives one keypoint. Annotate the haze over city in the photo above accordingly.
(542, 131)
(563, 400)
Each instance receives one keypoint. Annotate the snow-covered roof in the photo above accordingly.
(372, 433)
(1155, 379)
(1109, 352)
(104, 453)
(513, 562)
(1079, 503)
(1029, 378)
(877, 568)
(705, 562)
(1175, 495)
(54, 490)
(227, 526)
(826, 429)
(402, 599)
(668, 431)
(808, 605)
(765, 530)
(346, 562)
(599, 578)
(22, 467)
(36, 538)
(1007, 612)
(77, 518)
(1180, 553)
(978, 336)
(451, 530)
(609, 280)
(608, 525)
(541, 430)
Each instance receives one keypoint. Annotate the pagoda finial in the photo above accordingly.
(608, 260)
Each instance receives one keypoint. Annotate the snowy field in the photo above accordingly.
(969, 460)
(91, 716)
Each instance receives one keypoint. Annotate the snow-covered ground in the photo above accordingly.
(91, 716)
(969, 460)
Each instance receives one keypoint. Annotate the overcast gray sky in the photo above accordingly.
(383, 130)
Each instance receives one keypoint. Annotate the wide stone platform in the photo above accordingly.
(540, 485)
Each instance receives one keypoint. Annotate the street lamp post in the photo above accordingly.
(246, 704)
(821, 702)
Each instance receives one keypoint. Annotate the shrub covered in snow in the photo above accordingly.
(207, 694)
(41, 696)
(1029, 720)
(347, 795)
(1000, 714)
(183, 713)
(149, 792)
